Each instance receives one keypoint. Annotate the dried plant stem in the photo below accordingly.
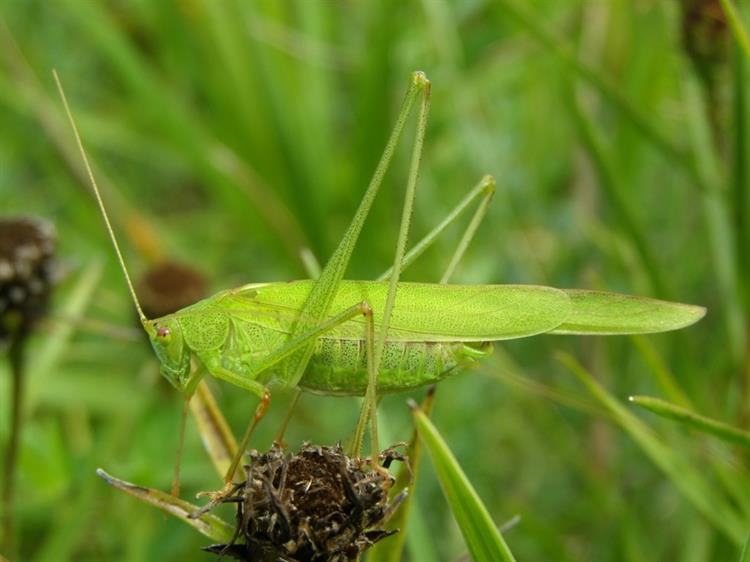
(16, 358)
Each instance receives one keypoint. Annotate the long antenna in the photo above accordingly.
(142, 316)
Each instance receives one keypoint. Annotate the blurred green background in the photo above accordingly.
(230, 135)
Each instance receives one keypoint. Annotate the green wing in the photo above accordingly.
(429, 312)
(602, 313)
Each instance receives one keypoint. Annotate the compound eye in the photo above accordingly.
(162, 332)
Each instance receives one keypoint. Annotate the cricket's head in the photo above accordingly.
(169, 345)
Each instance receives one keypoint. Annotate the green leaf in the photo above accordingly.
(482, 537)
(214, 528)
(694, 420)
(603, 313)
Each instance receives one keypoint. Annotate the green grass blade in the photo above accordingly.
(697, 421)
(420, 541)
(43, 364)
(71, 531)
(216, 435)
(739, 198)
(483, 539)
(689, 481)
(391, 550)
(611, 183)
(529, 21)
(718, 223)
(211, 526)
(603, 313)
(732, 476)
(661, 371)
(181, 126)
(745, 554)
(735, 23)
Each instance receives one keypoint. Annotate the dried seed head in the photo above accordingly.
(168, 287)
(27, 274)
(704, 31)
(313, 506)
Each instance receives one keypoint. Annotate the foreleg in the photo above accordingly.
(248, 379)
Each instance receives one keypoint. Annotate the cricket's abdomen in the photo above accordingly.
(339, 366)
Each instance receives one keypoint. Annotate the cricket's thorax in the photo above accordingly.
(339, 366)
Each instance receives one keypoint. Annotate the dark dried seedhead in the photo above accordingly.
(313, 506)
(704, 31)
(27, 274)
(168, 287)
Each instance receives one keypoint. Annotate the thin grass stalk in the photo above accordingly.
(690, 482)
(740, 204)
(718, 222)
(16, 358)
(392, 549)
(740, 172)
(66, 538)
(217, 437)
(692, 419)
(731, 472)
(661, 371)
(214, 161)
(609, 182)
(736, 25)
(57, 341)
(745, 554)
(529, 21)
(483, 539)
